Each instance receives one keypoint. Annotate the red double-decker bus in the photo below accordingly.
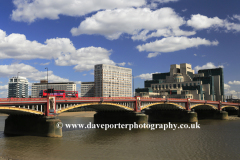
(58, 93)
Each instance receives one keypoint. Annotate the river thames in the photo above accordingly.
(216, 139)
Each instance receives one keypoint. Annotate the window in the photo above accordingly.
(166, 86)
(186, 84)
(178, 85)
(174, 86)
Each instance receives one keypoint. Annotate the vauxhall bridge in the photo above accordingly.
(37, 116)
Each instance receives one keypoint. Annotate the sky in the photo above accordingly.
(69, 37)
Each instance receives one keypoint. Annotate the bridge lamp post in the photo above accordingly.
(47, 78)
(133, 84)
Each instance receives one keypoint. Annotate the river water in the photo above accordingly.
(216, 139)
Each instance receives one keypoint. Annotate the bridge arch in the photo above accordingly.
(209, 106)
(94, 106)
(234, 107)
(153, 104)
(15, 110)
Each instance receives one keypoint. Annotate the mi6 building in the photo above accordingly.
(182, 82)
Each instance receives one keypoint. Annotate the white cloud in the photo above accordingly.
(146, 76)
(234, 82)
(84, 59)
(154, 3)
(195, 54)
(172, 44)
(130, 63)
(203, 22)
(78, 82)
(64, 53)
(150, 55)
(209, 65)
(45, 64)
(4, 87)
(31, 73)
(121, 64)
(84, 74)
(236, 17)
(4, 94)
(164, 1)
(29, 11)
(232, 92)
(226, 86)
(184, 10)
(141, 23)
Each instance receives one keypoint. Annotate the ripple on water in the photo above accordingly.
(215, 140)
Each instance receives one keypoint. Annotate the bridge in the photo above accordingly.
(110, 109)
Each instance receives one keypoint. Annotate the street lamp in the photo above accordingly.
(133, 84)
(47, 78)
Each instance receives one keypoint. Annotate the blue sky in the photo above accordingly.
(71, 36)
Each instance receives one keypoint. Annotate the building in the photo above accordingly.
(182, 82)
(37, 87)
(18, 87)
(112, 81)
(87, 89)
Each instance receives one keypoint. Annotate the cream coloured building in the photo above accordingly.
(37, 87)
(112, 81)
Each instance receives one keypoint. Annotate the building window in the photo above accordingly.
(174, 85)
(178, 85)
(166, 86)
(186, 84)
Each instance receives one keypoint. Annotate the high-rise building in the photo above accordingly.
(181, 82)
(43, 85)
(18, 87)
(87, 89)
(112, 81)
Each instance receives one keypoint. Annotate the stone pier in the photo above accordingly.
(32, 125)
(158, 116)
(212, 114)
(120, 117)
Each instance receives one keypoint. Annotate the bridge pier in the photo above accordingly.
(120, 117)
(32, 125)
(159, 116)
(212, 114)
